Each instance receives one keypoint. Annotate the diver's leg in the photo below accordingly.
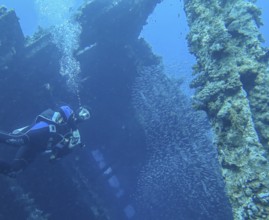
(23, 158)
(11, 169)
(13, 140)
(4, 167)
(4, 137)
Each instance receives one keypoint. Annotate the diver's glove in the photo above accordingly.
(74, 139)
(52, 157)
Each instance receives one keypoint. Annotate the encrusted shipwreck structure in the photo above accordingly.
(30, 80)
(232, 85)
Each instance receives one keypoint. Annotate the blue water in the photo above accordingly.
(163, 168)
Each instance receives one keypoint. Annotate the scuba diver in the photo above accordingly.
(53, 132)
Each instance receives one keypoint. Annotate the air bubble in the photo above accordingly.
(65, 33)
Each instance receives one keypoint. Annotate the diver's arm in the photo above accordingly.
(67, 146)
(60, 150)
(14, 140)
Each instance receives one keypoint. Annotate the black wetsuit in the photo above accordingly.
(44, 135)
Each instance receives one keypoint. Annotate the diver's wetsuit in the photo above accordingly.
(52, 130)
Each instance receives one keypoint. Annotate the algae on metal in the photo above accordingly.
(232, 87)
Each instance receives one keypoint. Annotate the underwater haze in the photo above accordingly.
(149, 154)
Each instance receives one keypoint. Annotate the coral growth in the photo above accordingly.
(232, 87)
